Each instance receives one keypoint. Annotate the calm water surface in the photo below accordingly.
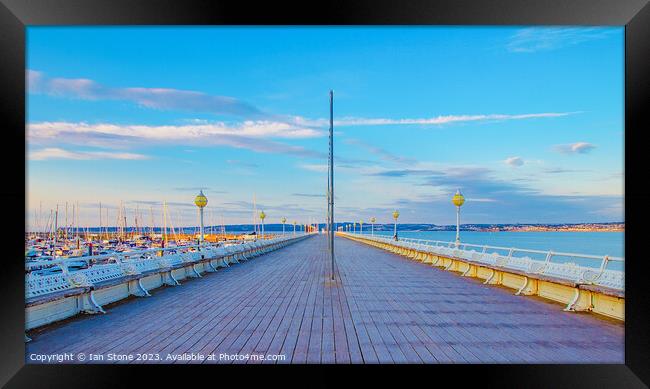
(593, 243)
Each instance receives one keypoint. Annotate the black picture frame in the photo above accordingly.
(15, 15)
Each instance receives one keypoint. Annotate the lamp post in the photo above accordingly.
(372, 225)
(262, 216)
(201, 201)
(395, 216)
(458, 201)
(294, 227)
(284, 220)
(361, 227)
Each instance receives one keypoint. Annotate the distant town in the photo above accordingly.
(579, 227)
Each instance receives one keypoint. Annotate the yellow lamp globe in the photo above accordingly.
(284, 220)
(200, 200)
(395, 214)
(458, 199)
(262, 215)
(372, 220)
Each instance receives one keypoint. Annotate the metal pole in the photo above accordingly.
(331, 181)
(201, 225)
(327, 221)
(457, 225)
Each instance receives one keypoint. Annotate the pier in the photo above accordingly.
(380, 308)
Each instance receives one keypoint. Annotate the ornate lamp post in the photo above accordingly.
(262, 216)
(354, 228)
(395, 216)
(361, 227)
(372, 225)
(201, 201)
(284, 220)
(294, 227)
(458, 201)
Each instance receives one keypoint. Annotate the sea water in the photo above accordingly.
(591, 243)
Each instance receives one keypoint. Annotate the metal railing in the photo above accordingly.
(48, 276)
(579, 268)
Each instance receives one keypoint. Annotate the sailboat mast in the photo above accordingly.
(100, 221)
(254, 215)
(164, 222)
(152, 222)
(56, 223)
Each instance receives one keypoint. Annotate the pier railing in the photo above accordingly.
(574, 267)
(59, 274)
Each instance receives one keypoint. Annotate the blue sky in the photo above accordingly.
(527, 122)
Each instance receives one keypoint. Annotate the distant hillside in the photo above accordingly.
(613, 226)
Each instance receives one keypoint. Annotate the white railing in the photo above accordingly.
(49, 276)
(591, 269)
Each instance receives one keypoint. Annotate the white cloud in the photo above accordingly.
(247, 135)
(437, 120)
(514, 161)
(480, 200)
(382, 153)
(194, 101)
(251, 129)
(156, 98)
(529, 40)
(575, 148)
(58, 153)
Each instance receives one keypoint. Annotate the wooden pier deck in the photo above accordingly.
(382, 308)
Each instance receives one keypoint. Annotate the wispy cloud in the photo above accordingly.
(514, 161)
(382, 153)
(534, 39)
(155, 98)
(58, 153)
(307, 195)
(258, 123)
(504, 200)
(404, 173)
(575, 148)
(560, 170)
(247, 135)
(437, 120)
(249, 129)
